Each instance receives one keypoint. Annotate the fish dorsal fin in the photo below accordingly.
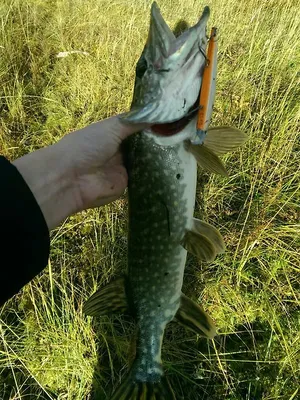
(108, 299)
(192, 316)
(203, 240)
(207, 159)
(223, 139)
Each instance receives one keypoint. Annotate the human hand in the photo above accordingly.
(94, 161)
(83, 170)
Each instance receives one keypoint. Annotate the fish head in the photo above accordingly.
(169, 72)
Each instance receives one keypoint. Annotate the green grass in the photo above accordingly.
(48, 349)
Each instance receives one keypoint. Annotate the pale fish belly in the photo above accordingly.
(162, 185)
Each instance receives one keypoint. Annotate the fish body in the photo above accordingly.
(162, 174)
(161, 190)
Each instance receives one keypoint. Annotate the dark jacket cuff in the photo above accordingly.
(24, 237)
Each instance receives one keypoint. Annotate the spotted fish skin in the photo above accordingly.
(161, 193)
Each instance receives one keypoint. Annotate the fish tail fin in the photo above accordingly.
(131, 389)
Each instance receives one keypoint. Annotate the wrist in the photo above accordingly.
(46, 174)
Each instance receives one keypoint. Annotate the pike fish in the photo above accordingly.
(162, 170)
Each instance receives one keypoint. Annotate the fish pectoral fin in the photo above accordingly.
(211, 233)
(192, 316)
(223, 139)
(108, 299)
(207, 159)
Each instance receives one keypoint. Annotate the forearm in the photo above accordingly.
(46, 175)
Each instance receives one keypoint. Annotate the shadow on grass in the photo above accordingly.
(15, 381)
(192, 365)
(237, 367)
(117, 335)
(19, 384)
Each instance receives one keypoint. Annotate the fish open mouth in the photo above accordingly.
(168, 76)
(171, 128)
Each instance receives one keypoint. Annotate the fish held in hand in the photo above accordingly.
(162, 171)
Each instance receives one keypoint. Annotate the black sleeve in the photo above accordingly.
(24, 237)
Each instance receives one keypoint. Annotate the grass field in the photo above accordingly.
(48, 348)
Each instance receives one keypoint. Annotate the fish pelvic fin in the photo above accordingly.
(203, 240)
(109, 299)
(131, 389)
(199, 246)
(211, 233)
(192, 316)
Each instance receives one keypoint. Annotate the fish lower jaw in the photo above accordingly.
(185, 133)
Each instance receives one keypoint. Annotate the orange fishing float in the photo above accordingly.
(208, 87)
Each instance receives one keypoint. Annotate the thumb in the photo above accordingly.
(127, 128)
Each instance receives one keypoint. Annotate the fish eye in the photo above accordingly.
(141, 67)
